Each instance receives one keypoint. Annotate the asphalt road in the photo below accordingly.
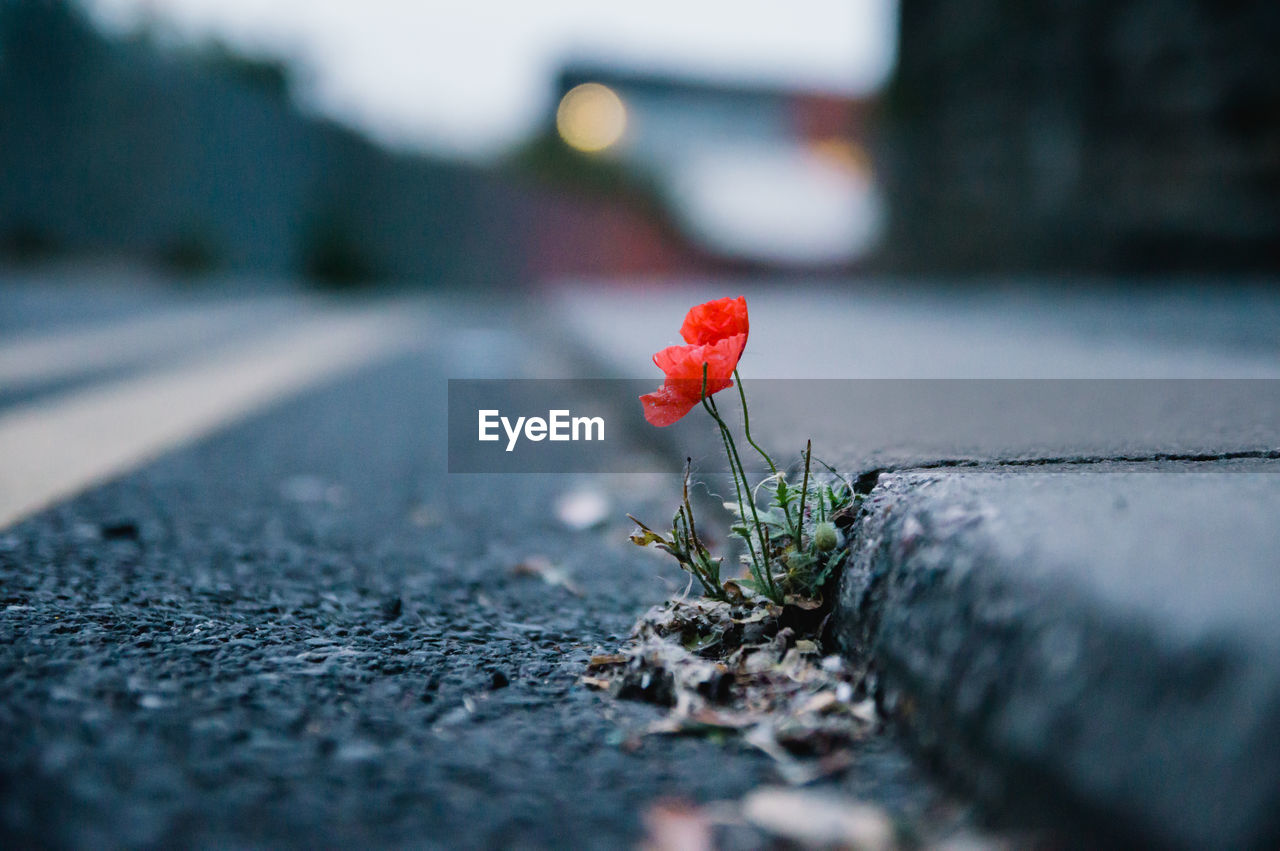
(290, 626)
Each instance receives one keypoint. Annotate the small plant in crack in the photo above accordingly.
(683, 543)
(747, 657)
(791, 534)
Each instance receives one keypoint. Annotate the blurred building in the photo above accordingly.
(1090, 136)
(749, 174)
(198, 159)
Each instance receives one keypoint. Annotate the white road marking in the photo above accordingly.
(78, 351)
(54, 449)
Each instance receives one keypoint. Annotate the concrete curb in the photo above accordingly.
(1083, 648)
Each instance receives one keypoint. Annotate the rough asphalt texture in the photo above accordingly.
(301, 632)
(1093, 642)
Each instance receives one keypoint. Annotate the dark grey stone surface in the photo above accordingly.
(1095, 642)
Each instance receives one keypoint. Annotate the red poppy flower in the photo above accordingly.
(717, 334)
(683, 367)
(715, 320)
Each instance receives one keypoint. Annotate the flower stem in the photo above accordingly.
(738, 489)
(759, 564)
(691, 554)
(746, 424)
(712, 577)
(804, 492)
(763, 574)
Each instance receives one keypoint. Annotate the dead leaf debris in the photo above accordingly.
(540, 567)
(771, 817)
(754, 670)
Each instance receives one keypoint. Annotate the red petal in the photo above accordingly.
(685, 362)
(716, 320)
(683, 387)
(666, 405)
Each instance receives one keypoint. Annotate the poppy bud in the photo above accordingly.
(825, 537)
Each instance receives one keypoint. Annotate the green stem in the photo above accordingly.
(759, 564)
(773, 468)
(693, 532)
(804, 492)
(746, 424)
(763, 574)
(739, 486)
(699, 551)
(691, 556)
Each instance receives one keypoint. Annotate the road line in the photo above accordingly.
(52, 450)
(83, 350)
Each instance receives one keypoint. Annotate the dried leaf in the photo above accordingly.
(762, 613)
(751, 677)
(816, 819)
(542, 568)
(820, 702)
(791, 770)
(677, 826)
(864, 711)
(844, 517)
(702, 721)
(761, 661)
(645, 538)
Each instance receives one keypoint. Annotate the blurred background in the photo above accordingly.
(494, 143)
(246, 244)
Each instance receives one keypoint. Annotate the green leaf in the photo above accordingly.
(801, 562)
(701, 642)
(832, 563)
(774, 518)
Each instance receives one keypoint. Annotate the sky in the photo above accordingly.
(473, 77)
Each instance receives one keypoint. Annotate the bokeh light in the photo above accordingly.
(591, 117)
(844, 154)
